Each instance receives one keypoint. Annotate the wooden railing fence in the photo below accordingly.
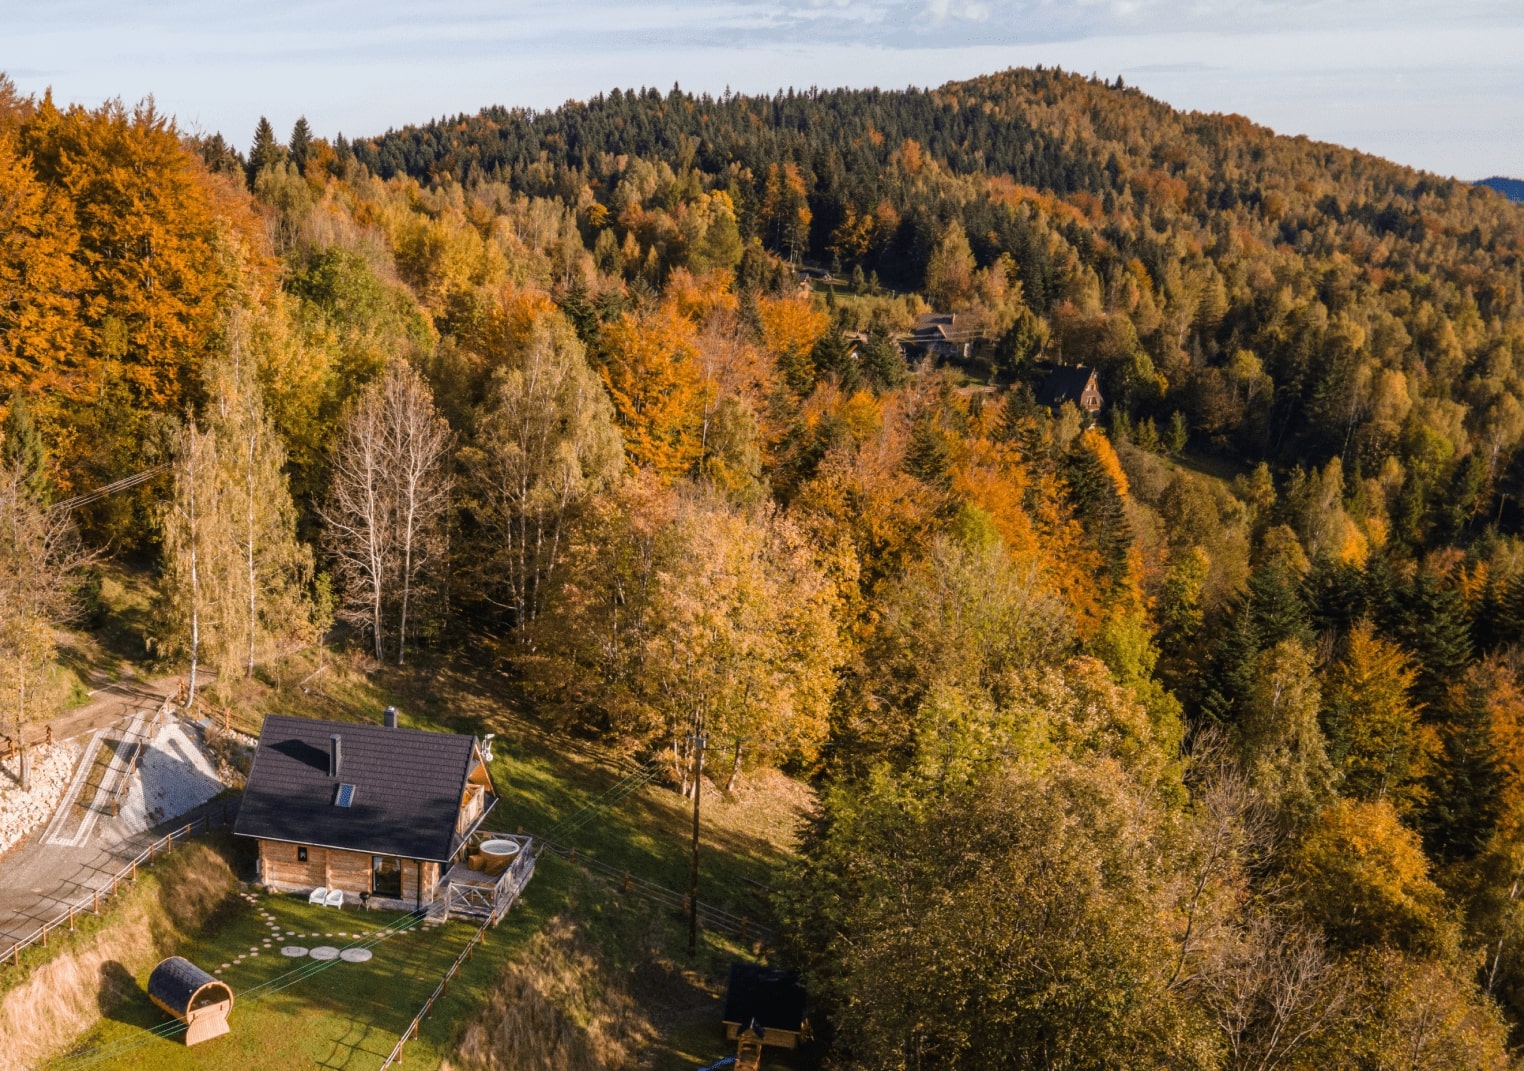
(439, 991)
(66, 917)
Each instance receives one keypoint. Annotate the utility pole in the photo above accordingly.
(698, 790)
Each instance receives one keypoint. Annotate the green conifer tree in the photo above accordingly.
(265, 150)
(301, 143)
(22, 451)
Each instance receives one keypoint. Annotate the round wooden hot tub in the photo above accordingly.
(498, 854)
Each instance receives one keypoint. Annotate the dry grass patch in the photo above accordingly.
(559, 1007)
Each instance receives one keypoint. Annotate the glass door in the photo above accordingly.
(386, 876)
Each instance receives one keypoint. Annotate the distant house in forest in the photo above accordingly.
(365, 809)
(1071, 383)
(942, 334)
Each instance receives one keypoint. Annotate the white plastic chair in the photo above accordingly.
(335, 898)
(318, 895)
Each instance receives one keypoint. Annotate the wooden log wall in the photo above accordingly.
(280, 869)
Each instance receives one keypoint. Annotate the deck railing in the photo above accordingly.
(505, 892)
(497, 899)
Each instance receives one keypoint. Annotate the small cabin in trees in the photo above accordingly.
(942, 334)
(366, 809)
(1071, 383)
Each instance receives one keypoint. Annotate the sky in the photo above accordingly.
(1432, 85)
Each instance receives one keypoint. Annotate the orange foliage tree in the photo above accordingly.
(653, 376)
(149, 243)
(790, 328)
(39, 315)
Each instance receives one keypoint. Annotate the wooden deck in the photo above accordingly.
(467, 892)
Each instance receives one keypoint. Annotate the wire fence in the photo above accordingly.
(741, 927)
(66, 917)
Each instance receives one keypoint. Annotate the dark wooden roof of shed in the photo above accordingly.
(770, 996)
(408, 788)
(175, 981)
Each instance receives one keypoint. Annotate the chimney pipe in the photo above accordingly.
(334, 756)
(389, 717)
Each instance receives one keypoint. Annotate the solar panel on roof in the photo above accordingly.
(345, 797)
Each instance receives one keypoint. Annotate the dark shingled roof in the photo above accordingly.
(771, 997)
(408, 788)
(175, 981)
(1064, 384)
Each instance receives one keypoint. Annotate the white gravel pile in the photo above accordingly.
(175, 775)
(21, 812)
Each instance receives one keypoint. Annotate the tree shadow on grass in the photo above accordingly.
(119, 998)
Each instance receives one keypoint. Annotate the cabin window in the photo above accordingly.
(301, 854)
(386, 875)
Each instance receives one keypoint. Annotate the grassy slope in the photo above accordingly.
(349, 1015)
(543, 779)
(64, 988)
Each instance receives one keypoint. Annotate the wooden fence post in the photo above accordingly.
(95, 902)
(71, 919)
(134, 874)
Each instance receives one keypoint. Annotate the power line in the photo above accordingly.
(106, 490)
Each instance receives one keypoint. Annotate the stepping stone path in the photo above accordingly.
(324, 952)
(355, 955)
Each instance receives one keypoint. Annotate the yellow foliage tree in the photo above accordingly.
(790, 328)
(39, 278)
(653, 376)
(1363, 875)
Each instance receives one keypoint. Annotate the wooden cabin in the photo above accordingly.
(197, 999)
(1071, 383)
(764, 1006)
(366, 809)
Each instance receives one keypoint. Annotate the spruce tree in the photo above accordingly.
(301, 143)
(1429, 618)
(265, 150)
(1098, 506)
(1468, 780)
(882, 361)
(22, 451)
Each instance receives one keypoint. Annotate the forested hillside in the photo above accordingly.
(1193, 738)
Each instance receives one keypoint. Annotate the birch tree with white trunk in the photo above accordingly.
(387, 507)
(545, 443)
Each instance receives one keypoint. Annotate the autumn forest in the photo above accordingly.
(1186, 734)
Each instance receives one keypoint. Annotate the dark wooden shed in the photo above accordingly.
(197, 999)
(765, 1000)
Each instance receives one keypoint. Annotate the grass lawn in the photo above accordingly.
(349, 1015)
(346, 1016)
